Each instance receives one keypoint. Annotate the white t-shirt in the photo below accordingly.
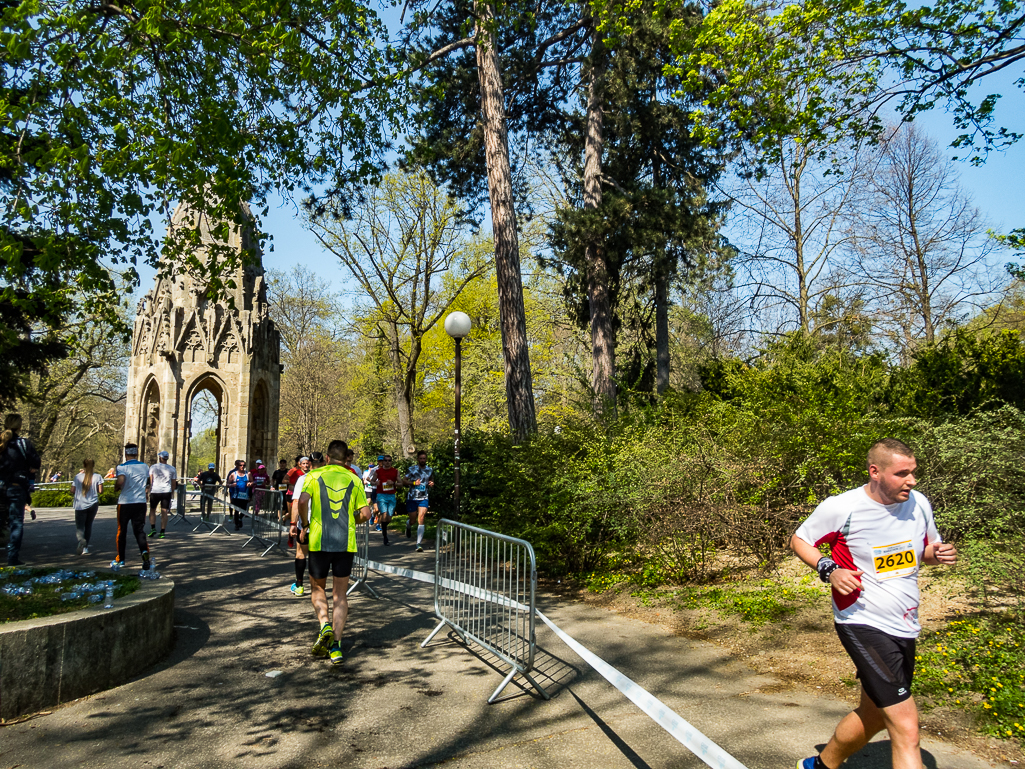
(136, 475)
(367, 485)
(162, 474)
(884, 541)
(87, 496)
(299, 486)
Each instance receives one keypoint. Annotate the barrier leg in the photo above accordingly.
(362, 585)
(434, 632)
(534, 683)
(457, 631)
(501, 686)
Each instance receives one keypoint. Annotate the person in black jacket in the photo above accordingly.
(19, 464)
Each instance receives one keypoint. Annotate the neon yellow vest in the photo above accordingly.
(335, 496)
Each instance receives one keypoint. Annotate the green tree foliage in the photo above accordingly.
(307, 314)
(203, 451)
(656, 222)
(410, 252)
(854, 55)
(111, 112)
(74, 406)
(961, 373)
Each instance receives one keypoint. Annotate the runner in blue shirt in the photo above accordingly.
(421, 478)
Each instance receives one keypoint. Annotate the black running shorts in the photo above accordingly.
(885, 663)
(322, 563)
(162, 498)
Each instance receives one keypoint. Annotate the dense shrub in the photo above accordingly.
(974, 474)
(62, 496)
(960, 374)
(672, 487)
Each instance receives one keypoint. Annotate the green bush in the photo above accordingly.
(963, 372)
(737, 467)
(977, 664)
(972, 472)
(63, 496)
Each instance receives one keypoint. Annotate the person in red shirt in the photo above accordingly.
(386, 478)
(350, 464)
(302, 466)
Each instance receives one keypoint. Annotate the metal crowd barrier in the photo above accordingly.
(484, 590)
(265, 526)
(360, 570)
(178, 508)
(207, 499)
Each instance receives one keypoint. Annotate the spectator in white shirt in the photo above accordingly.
(88, 487)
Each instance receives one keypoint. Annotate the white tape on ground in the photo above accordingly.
(662, 714)
(652, 706)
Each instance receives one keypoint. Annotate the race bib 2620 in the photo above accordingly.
(896, 560)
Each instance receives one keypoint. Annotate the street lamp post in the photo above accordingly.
(457, 325)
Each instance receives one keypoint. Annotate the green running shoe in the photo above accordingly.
(336, 654)
(322, 645)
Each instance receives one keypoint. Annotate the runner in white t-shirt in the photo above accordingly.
(302, 551)
(163, 481)
(880, 535)
(132, 481)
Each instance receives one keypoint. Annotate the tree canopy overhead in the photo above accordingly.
(112, 112)
(857, 56)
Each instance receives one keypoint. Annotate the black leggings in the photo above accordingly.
(84, 522)
(136, 515)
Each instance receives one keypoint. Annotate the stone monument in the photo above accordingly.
(184, 343)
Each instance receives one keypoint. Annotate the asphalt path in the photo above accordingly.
(240, 687)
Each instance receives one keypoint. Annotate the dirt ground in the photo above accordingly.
(804, 653)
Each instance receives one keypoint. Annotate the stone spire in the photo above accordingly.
(184, 343)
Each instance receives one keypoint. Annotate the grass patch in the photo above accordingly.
(766, 601)
(45, 599)
(755, 601)
(977, 665)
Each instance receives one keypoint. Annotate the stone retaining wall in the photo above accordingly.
(44, 662)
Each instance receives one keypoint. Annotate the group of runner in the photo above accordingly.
(380, 481)
(326, 495)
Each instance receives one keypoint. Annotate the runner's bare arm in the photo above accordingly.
(844, 580)
(940, 554)
(363, 515)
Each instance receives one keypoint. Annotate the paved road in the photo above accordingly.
(393, 705)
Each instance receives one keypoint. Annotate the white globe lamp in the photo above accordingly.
(457, 324)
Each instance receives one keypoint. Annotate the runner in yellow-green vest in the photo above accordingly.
(332, 503)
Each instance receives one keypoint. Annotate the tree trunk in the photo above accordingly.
(402, 388)
(518, 380)
(661, 333)
(662, 272)
(603, 343)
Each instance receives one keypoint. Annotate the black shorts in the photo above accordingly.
(163, 498)
(321, 563)
(885, 663)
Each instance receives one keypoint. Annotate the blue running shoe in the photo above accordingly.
(806, 763)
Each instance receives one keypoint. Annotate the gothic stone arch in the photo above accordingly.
(183, 343)
(216, 386)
